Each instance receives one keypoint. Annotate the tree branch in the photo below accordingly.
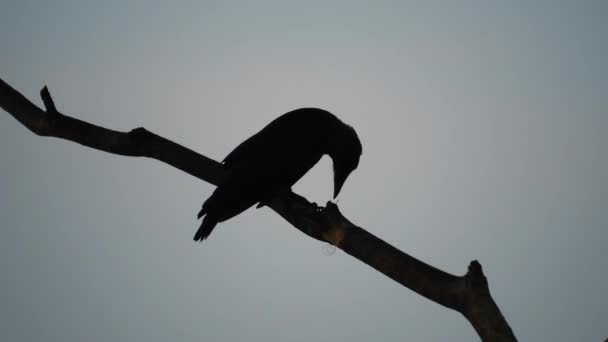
(468, 294)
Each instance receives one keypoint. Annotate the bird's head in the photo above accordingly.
(345, 151)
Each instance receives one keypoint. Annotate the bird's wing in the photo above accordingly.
(245, 151)
(267, 144)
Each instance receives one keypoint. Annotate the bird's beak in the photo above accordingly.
(339, 179)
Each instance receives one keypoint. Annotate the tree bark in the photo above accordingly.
(468, 294)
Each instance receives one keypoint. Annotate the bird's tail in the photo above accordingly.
(209, 222)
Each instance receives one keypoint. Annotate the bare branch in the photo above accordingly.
(468, 294)
(136, 143)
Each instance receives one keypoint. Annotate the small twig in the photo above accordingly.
(49, 104)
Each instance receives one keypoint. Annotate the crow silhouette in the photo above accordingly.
(273, 160)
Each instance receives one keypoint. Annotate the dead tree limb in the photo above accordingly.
(468, 294)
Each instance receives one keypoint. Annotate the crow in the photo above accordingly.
(270, 162)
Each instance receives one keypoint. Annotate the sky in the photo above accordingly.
(483, 126)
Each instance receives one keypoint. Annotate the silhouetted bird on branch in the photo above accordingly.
(273, 160)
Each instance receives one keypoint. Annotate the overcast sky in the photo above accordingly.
(484, 137)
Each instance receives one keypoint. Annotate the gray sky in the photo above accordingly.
(484, 136)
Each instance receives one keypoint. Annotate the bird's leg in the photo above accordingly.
(322, 223)
(317, 207)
